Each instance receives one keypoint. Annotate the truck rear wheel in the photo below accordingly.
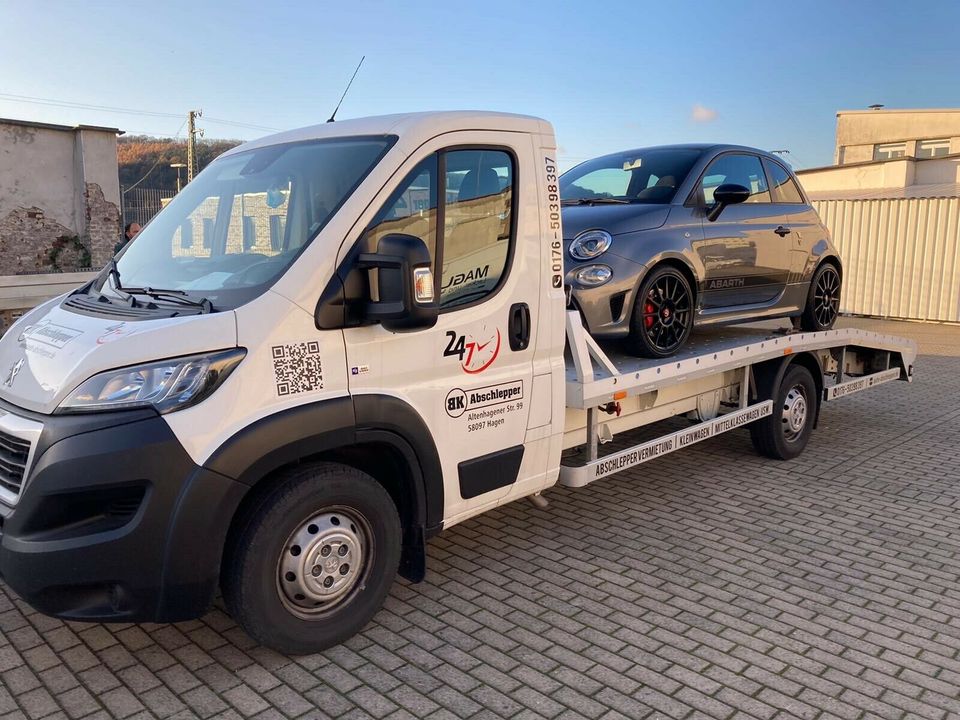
(784, 433)
(313, 559)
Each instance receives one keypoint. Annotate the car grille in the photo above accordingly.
(14, 453)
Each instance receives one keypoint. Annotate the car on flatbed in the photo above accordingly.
(664, 239)
(334, 343)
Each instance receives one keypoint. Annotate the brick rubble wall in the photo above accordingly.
(103, 226)
(31, 242)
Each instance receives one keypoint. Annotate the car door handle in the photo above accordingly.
(782, 231)
(519, 329)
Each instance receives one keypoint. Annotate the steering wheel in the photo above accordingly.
(249, 275)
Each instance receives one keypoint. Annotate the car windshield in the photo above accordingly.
(639, 176)
(232, 231)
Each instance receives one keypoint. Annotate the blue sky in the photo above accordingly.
(610, 75)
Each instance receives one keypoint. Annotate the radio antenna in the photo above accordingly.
(334, 114)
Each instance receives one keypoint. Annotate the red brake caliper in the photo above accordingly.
(649, 311)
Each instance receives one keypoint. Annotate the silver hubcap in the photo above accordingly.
(794, 413)
(322, 561)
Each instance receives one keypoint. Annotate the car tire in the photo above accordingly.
(312, 558)
(784, 433)
(662, 315)
(823, 299)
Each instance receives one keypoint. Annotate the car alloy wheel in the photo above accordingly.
(826, 297)
(667, 312)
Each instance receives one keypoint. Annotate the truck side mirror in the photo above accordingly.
(406, 297)
(726, 194)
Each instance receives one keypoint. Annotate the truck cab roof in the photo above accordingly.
(426, 124)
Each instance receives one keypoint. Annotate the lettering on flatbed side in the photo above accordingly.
(868, 381)
(680, 439)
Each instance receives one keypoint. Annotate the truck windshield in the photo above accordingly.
(234, 230)
(638, 176)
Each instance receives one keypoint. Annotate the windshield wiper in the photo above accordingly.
(595, 201)
(176, 296)
(114, 272)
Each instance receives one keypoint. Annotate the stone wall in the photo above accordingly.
(27, 239)
(103, 226)
(33, 242)
(59, 197)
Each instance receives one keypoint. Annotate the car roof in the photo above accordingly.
(712, 147)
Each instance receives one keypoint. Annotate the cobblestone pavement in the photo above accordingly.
(709, 583)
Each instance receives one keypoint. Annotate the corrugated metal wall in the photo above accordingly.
(901, 256)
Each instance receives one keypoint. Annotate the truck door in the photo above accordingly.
(469, 377)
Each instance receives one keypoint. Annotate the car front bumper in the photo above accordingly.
(114, 521)
(606, 309)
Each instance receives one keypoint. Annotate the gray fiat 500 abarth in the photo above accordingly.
(664, 238)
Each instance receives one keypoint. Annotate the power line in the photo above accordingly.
(154, 167)
(122, 111)
(84, 106)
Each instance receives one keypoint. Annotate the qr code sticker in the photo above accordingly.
(297, 368)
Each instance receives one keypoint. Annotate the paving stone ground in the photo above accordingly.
(708, 584)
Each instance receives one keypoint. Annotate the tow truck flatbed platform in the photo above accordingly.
(725, 378)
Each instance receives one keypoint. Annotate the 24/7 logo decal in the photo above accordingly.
(476, 353)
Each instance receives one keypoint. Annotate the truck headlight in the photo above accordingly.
(590, 244)
(593, 275)
(167, 385)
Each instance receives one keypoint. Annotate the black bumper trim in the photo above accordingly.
(160, 564)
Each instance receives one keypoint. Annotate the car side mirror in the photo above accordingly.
(726, 194)
(406, 298)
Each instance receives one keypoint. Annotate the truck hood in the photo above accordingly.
(50, 351)
(615, 219)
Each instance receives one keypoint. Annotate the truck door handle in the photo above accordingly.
(519, 329)
(782, 231)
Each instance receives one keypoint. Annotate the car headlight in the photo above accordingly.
(167, 385)
(590, 244)
(593, 275)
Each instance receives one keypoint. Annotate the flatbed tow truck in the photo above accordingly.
(363, 340)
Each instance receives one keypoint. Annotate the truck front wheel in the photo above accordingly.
(312, 559)
(783, 434)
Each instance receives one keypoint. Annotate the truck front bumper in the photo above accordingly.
(114, 521)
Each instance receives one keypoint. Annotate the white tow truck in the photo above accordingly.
(331, 345)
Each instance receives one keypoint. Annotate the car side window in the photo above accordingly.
(785, 190)
(473, 245)
(737, 169)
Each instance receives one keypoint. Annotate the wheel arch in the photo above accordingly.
(379, 435)
(832, 260)
(768, 375)
(678, 262)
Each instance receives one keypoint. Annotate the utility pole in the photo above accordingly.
(192, 133)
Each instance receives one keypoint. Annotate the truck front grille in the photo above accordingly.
(14, 453)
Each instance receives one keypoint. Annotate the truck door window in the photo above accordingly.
(477, 219)
(477, 224)
(411, 210)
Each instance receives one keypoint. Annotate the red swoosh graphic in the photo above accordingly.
(496, 351)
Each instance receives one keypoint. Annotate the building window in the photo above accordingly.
(889, 151)
(933, 148)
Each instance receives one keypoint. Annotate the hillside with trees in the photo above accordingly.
(139, 155)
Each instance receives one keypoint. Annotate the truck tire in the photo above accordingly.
(784, 433)
(312, 558)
